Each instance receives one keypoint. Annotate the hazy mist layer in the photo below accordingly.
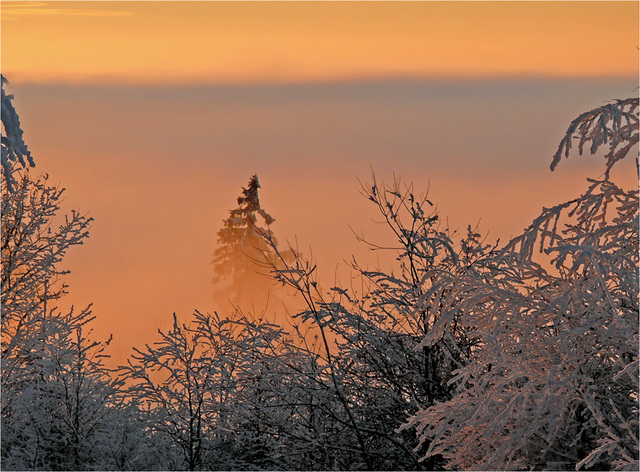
(159, 168)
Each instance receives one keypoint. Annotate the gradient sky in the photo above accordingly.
(291, 41)
(154, 114)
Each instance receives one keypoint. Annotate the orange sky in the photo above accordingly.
(289, 41)
(154, 114)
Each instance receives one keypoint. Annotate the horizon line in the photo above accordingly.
(440, 78)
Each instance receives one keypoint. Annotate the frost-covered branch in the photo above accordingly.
(14, 149)
(615, 124)
(549, 383)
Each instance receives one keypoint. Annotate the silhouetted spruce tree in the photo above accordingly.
(243, 250)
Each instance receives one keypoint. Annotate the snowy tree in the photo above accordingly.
(58, 400)
(378, 327)
(285, 414)
(372, 370)
(237, 394)
(170, 383)
(242, 252)
(553, 379)
(14, 149)
(202, 391)
(57, 395)
(240, 246)
(233, 359)
(32, 249)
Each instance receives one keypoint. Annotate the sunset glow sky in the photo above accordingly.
(212, 42)
(153, 115)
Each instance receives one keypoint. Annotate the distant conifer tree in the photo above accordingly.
(243, 248)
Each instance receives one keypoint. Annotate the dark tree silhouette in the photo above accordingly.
(245, 248)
